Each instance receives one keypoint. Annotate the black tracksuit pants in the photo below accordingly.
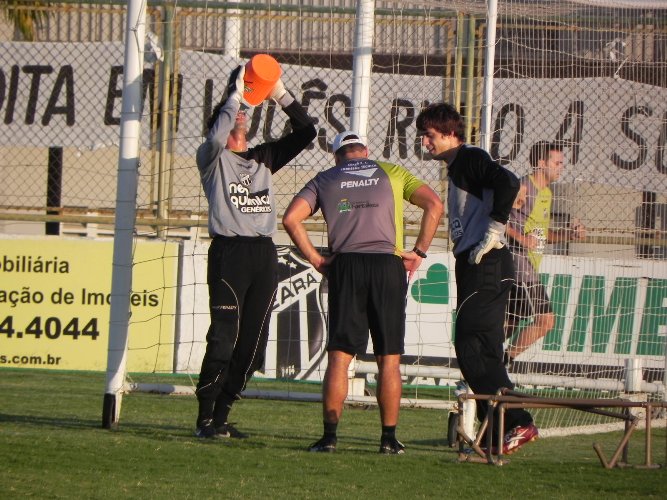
(242, 281)
(482, 294)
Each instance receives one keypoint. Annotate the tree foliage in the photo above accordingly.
(27, 16)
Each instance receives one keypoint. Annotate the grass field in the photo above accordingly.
(52, 446)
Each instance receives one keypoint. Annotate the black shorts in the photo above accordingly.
(527, 300)
(367, 292)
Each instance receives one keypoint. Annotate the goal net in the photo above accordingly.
(589, 74)
(592, 76)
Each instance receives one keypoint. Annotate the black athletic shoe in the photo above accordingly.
(228, 430)
(324, 445)
(205, 429)
(391, 446)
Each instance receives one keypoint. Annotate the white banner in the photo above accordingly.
(70, 95)
(607, 312)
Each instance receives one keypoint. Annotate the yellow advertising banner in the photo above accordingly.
(55, 301)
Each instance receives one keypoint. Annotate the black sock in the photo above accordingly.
(388, 432)
(205, 411)
(330, 429)
(223, 405)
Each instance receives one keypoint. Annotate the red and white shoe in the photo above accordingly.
(519, 436)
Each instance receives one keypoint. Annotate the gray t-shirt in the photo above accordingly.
(238, 186)
(362, 203)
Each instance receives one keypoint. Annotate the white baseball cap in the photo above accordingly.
(345, 139)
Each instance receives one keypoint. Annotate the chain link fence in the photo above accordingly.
(593, 76)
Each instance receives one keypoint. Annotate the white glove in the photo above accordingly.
(278, 90)
(235, 85)
(240, 84)
(280, 95)
(491, 240)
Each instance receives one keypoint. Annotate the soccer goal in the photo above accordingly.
(589, 74)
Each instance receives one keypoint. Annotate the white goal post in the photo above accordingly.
(126, 205)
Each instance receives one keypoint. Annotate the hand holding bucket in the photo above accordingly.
(262, 73)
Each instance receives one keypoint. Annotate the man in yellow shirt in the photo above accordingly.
(528, 232)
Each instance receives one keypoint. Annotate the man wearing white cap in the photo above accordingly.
(362, 204)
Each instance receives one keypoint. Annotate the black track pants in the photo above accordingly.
(242, 281)
(482, 294)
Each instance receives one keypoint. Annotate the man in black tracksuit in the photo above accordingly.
(242, 260)
(479, 199)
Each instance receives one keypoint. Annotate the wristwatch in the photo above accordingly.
(419, 252)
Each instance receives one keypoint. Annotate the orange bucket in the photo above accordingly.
(261, 74)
